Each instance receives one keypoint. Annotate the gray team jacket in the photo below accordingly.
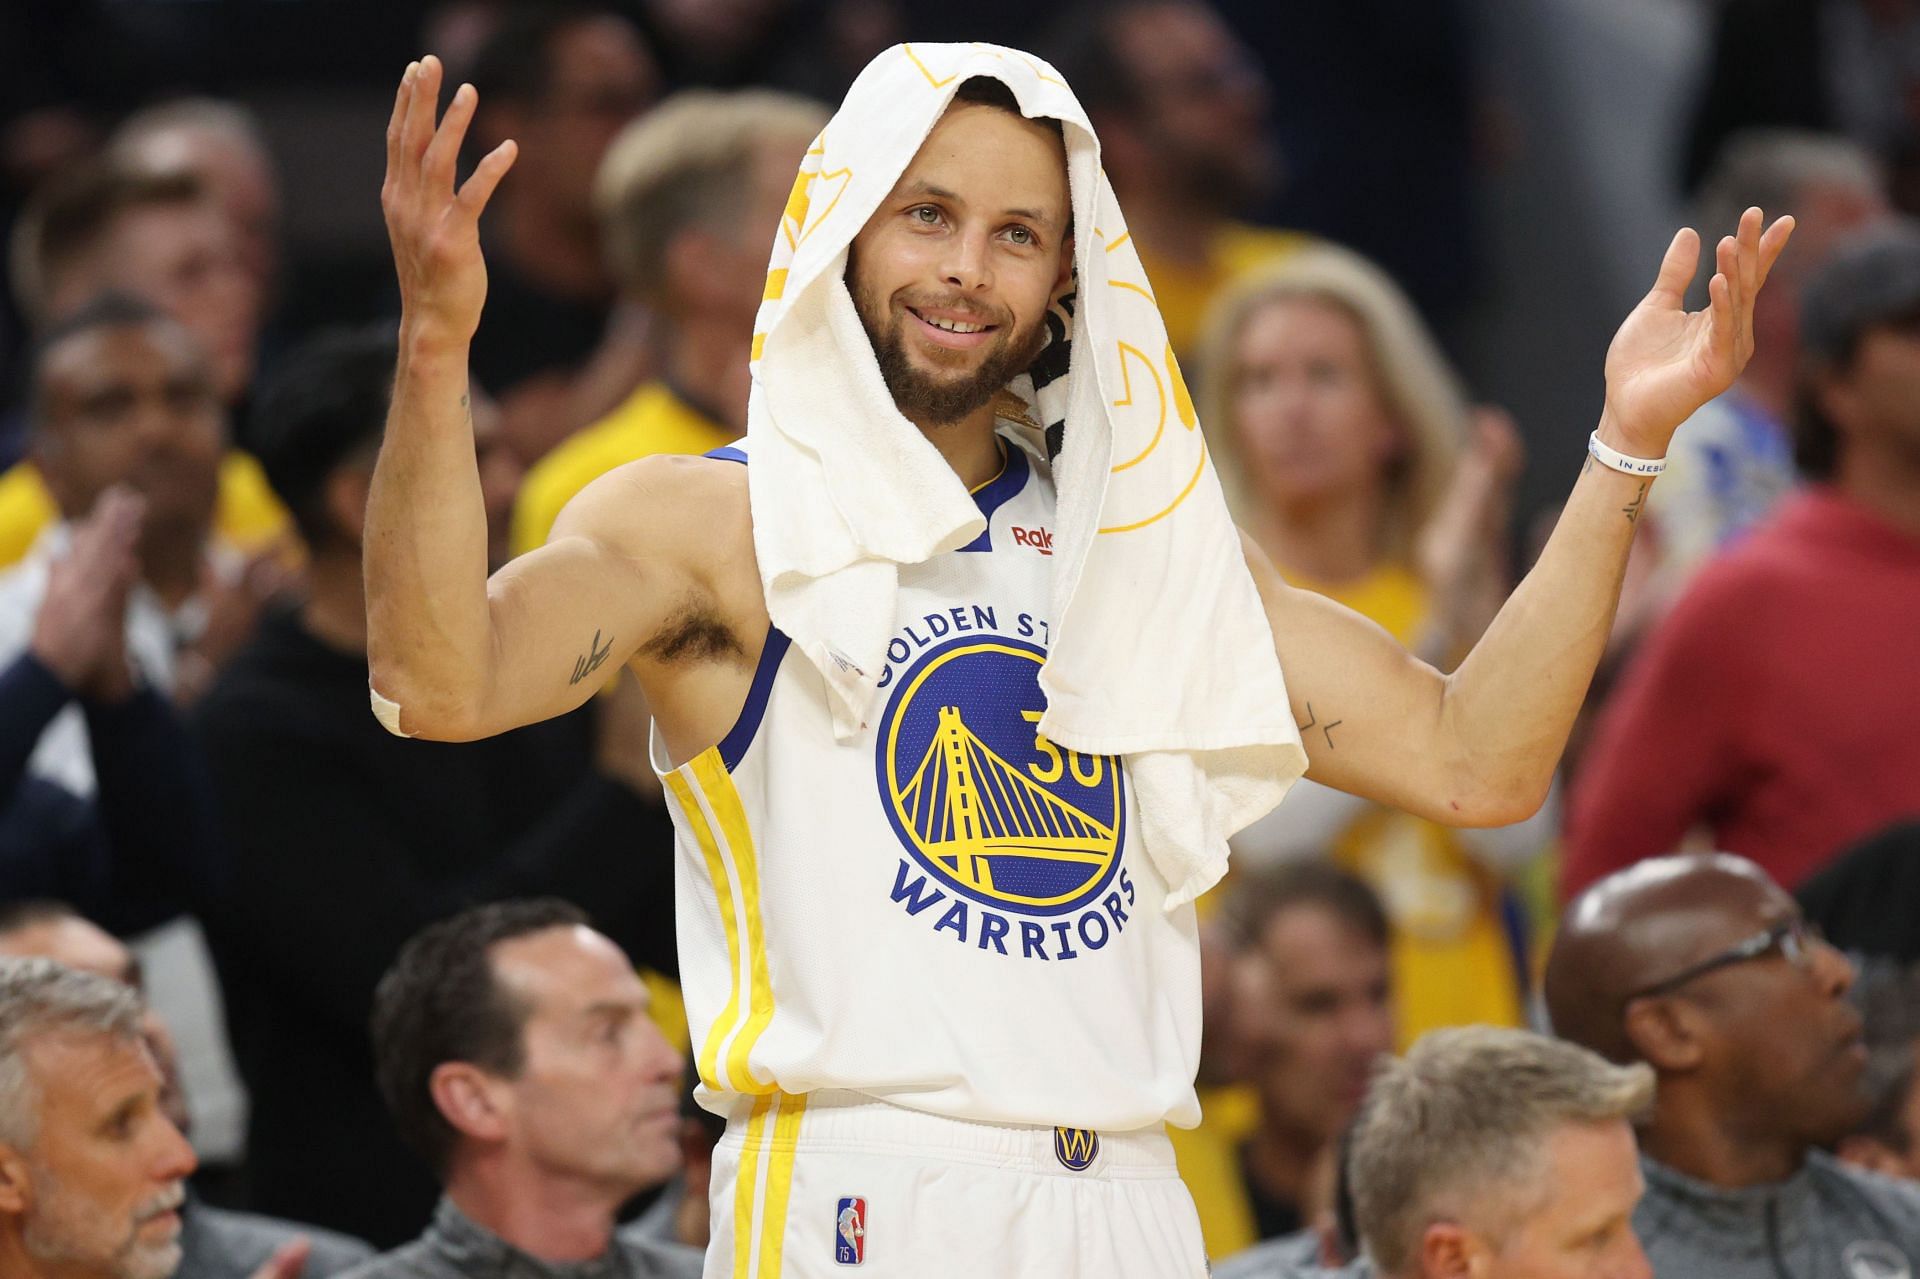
(1827, 1221)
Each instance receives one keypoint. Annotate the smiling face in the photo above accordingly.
(952, 275)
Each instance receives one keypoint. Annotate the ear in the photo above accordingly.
(1666, 1034)
(345, 495)
(473, 1101)
(16, 1183)
(1837, 400)
(1063, 284)
(1447, 1251)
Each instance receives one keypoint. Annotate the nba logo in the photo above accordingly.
(850, 1232)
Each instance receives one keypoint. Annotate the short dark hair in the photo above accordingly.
(441, 1002)
(325, 402)
(985, 91)
(1269, 892)
(31, 912)
(69, 217)
(513, 64)
(104, 311)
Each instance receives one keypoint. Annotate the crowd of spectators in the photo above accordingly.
(1673, 1020)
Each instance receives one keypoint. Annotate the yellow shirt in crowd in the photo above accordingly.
(652, 420)
(1456, 957)
(246, 513)
(1184, 292)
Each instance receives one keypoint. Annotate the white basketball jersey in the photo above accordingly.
(947, 912)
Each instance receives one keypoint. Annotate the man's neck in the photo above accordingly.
(171, 562)
(1688, 1138)
(706, 362)
(547, 1218)
(1329, 542)
(1169, 227)
(969, 446)
(335, 611)
(1285, 1164)
(1884, 480)
(558, 254)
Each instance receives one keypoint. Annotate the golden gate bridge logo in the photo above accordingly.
(994, 810)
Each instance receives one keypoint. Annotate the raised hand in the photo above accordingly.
(80, 632)
(435, 229)
(1665, 361)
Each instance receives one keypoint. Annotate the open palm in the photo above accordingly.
(1665, 361)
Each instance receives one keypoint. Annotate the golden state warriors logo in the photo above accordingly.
(988, 807)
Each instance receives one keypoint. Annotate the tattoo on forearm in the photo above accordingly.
(1632, 511)
(590, 661)
(1325, 729)
(1587, 465)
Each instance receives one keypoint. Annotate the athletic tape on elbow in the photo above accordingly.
(387, 711)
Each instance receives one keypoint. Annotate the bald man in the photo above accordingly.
(1702, 967)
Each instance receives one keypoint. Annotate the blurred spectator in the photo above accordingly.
(1732, 461)
(1181, 109)
(1778, 705)
(1848, 66)
(219, 144)
(123, 396)
(346, 839)
(162, 238)
(1503, 1155)
(1342, 438)
(1380, 122)
(1867, 898)
(721, 43)
(164, 241)
(1703, 968)
(145, 845)
(214, 1243)
(1312, 1013)
(1888, 1139)
(690, 198)
(514, 1049)
(96, 1170)
(562, 81)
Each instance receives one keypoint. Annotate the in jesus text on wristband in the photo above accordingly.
(1620, 461)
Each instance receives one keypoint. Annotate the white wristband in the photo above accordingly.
(1620, 461)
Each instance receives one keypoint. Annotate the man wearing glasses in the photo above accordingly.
(1702, 967)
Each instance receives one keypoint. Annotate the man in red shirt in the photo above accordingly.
(1778, 706)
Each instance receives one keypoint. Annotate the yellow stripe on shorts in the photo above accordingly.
(744, 1187)
(786, 1137)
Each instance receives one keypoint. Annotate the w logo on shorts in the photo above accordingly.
(1076, 1148)
(850, 1231)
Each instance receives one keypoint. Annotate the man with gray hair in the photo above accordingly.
(1502, 1154)
(92, 1172)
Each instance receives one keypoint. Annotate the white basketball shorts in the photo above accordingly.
(835, 1185)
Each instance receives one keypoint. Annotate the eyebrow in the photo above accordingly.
(923, 187)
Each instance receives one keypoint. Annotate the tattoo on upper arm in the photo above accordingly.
(591, 661)
(1632, 510)
(1325, 729)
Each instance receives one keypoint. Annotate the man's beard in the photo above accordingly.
(928, 398)
(65, 1229)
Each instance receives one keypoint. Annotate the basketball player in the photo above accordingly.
(973, 1061)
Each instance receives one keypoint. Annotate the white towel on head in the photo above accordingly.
(1160, 648)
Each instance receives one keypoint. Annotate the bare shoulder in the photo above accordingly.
(672, 508)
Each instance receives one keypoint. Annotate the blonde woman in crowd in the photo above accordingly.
(1351, 456)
